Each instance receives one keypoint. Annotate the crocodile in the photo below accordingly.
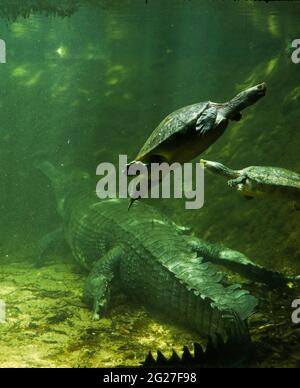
(156, 262)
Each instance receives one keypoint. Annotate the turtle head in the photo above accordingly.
(244, 99)
(219, 169)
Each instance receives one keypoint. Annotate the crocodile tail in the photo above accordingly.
(219, 352)
(216, 354)
(237, 328)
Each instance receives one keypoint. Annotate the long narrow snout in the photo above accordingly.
(218, 168)
(214, 167)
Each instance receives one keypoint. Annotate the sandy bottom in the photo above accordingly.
(47, 325)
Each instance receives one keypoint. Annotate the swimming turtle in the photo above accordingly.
(258, 181)
(189, 131)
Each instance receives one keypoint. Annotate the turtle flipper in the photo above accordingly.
(235, 183)
(98, 284)
(207, 119)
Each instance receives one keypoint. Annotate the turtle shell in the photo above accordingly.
(274, 177)
(170, 133)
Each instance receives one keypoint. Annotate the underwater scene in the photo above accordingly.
(91, 278)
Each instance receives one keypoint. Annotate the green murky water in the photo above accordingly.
(85, 88)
